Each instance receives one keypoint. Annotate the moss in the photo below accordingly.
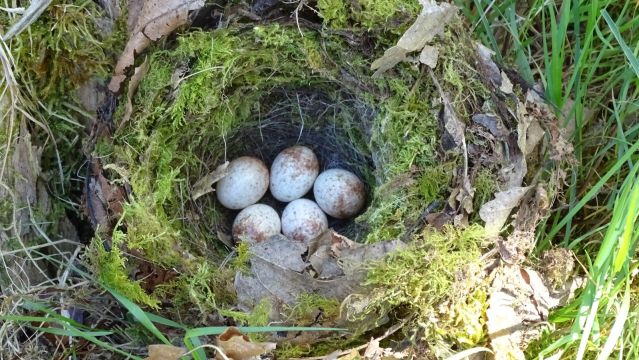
(111, 269)
(432, 181)
(68, 34)
(153, 234)
(486, 184)
(242, 257)
(423, 275)
(310, 308)
(259, 316)
(205, 288)
(333, 12)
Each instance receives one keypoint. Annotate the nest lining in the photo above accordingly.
(333, 129)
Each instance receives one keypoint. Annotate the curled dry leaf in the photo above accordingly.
(519, 303)
(429, 56)
(205, 184)
(156, 19)
(237, 346)
(506, 85)
(165, 352)
(431, 22)
(495, 212)
(138, 75)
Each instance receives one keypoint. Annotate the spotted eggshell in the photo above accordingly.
(340, 193)
(303, 220)
(245, 183)
(256, 223)
(293, 173)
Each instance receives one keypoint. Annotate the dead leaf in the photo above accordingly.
(165, 352)
(103, 200)
(495, 212)
(488, 66)
(205, 184)
(519, 303)
(430, 23)
(506, 85)
(280, 273)
(429, 56)
(156, 19)
(493, 123)
(237, 346)
(138, 75)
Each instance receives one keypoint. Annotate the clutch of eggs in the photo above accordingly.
(294, 172)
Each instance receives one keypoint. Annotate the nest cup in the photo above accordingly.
(334, 127)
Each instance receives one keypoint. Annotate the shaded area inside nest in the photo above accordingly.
(334, 129)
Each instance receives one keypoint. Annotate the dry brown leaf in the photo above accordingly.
(156, 19)
(237, 346)
(430, 23)
(496, 212)
(137, 77)
(165, 352)
(205, 184)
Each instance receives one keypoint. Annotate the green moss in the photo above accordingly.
(486, 184)
(333, 12)
(242, 257)
(204, 287)
(259, 316)
(433, 181)
(153, 234)
(423, 275)
(111, 269)
(375, 14)
(62, 49)
(309, 307)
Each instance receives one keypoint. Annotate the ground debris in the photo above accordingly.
(155, 19)
(430, 23)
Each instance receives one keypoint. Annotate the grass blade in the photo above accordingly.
(632, 59)
(140, 315)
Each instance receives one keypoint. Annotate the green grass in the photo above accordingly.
(585, 55)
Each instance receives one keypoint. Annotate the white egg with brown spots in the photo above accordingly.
(256, 223)
(303, 220)
(245, 183)
(340, 193)
(293, 173)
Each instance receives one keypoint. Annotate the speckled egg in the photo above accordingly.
(303, 220)
(340, 193)
(245, 183)
(256, 223)
(293, 173)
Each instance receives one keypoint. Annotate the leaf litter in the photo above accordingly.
(155, 19)
(430, 23)
(332, 268)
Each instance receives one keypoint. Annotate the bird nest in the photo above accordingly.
(432, 142)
